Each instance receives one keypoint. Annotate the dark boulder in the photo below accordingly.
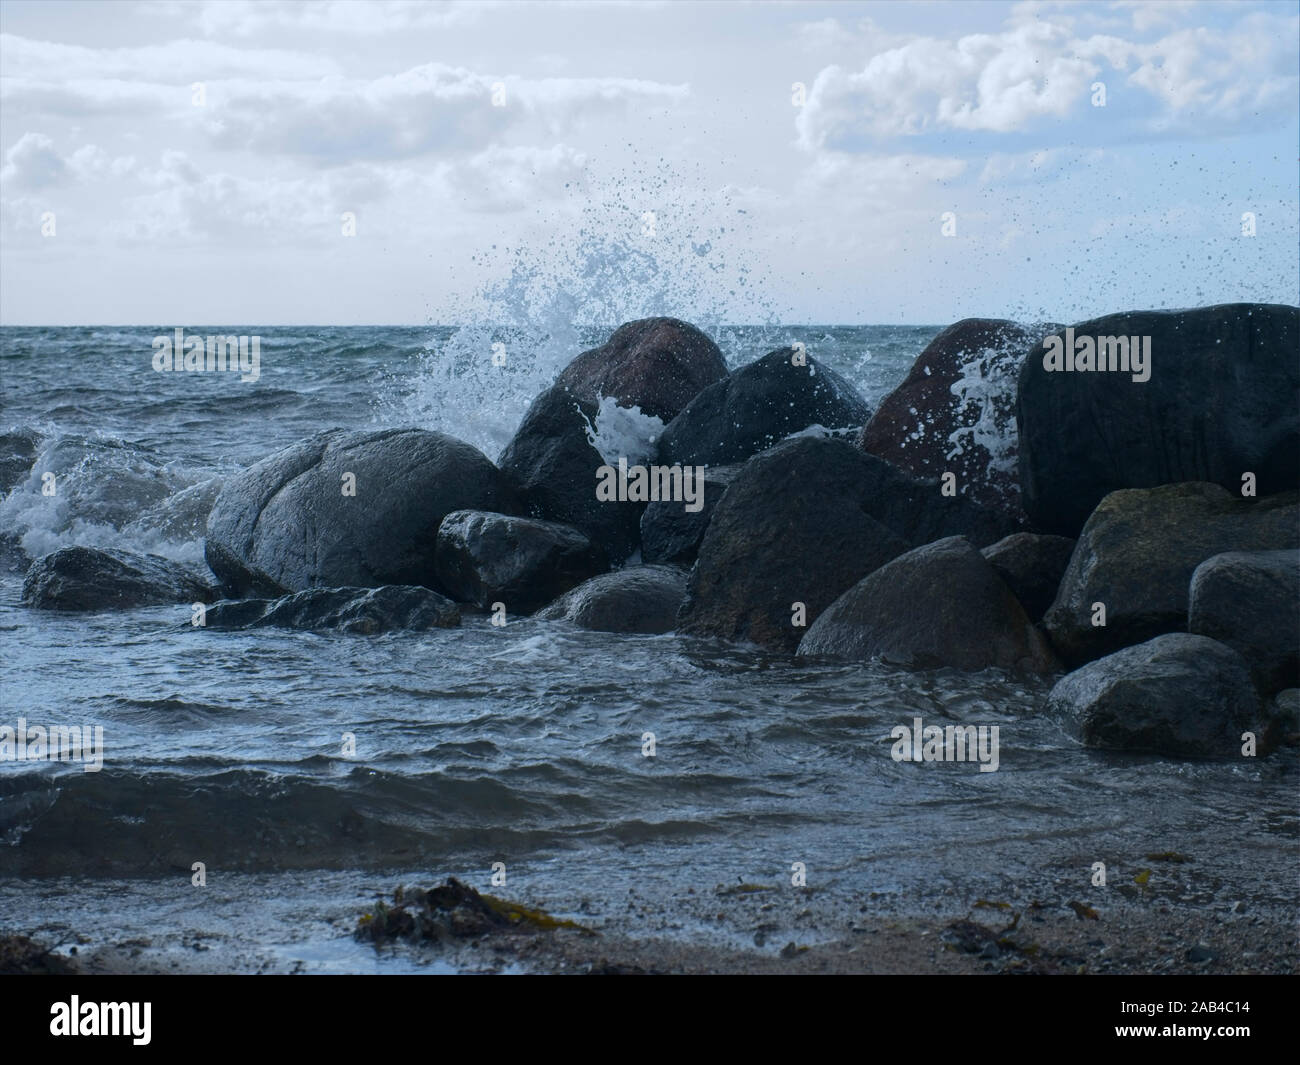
(637, 599)
(956, 411)
(90, 578)
(1250, 600)
(360, 611)
(671, 533)
(935, 606)
(284, 525)
(554, 465)
(757, 406)
(1223, 400)
(486, 558)
(1282, 725)
(801, 523)
(1032, 565)
(656, 364)
(17, 454)
(1137, 554)
(1178, 695)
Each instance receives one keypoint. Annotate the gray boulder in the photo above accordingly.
(1250, 600)
(284, 525)
(1032, 565)
(89, 578)
(361, 611)
(640, 599)
(1178, 695)
(671, 533)
(1137, 554)
(937, 605)
(484, 558)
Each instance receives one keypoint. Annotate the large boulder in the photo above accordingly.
(671, 533)
(1222, 400)
(656, 364)
(956, 410)
(89, 578)
(760, 405)
(801, 523)
(1032, 565)
(285, 525)
(363, 611)
(554, 465)
(1178, 695)
(1137, 554)
(1283, 720)
(937, 605)
(1250, 600)
(637, 599)
(485, 558)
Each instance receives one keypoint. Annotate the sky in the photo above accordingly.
(394, 162)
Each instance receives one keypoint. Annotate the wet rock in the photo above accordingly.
(1137, 554)
(1178, 695)
(758, 406)
(937, 605)
(361, 611)
(959, 396)
(1250, 600)
(1032, 565)
(89, 578)
(671, 533)
(554, 465)
(641, 599)
(655, 364)
(486, 558)
(1223, 399)
(1282, 720)
(284, 525)
(17, 453)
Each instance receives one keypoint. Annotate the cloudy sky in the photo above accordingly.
(203, 162)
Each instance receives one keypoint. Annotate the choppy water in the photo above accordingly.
(521, 745)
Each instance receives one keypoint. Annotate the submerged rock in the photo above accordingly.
(655, 364)
(1250, 600)
(956, 411)
(937, 605)
(285, 524)
(486, 558)
(1222, 400)
(362, 611)
(642, 599)
(1178, 695)
(1032, 566)
(758, 406)
(1137, 554)
(672, 533)
(90, 578)
(17, 454)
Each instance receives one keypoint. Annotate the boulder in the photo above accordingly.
(671, 533)
(934, 606)
(1250, 600)
(1223, 400)
(956, 411)
(485, 558)
(801, 523)
(17, 454)
(1137, 554)
(1032, 565)
(656, 364)
(90, 578)
(637, 599)
(284, 525)
(360, 611)
(757, 406)
(1282, 726)
(554, 465)
(1178, 695)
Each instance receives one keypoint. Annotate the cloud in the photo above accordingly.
(34, 164)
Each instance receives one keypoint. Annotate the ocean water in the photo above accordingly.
(519, 745)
